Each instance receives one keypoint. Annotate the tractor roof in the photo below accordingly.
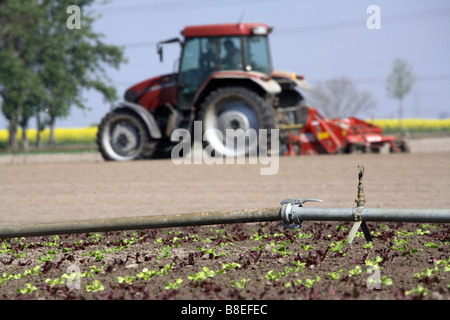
(228, 29)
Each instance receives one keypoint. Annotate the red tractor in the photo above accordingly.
(225, 80)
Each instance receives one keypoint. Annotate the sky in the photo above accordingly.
(320, 39)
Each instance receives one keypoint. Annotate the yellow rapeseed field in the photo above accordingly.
(62, 135)
(413, 125)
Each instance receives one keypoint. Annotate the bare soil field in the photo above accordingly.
(242, 261)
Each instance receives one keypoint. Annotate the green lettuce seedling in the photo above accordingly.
(239, 284)
(231, 265)
(127, 279)
(28, 289)
(355, 272)
(419, 290)
(173, 286)
(335, 275)
(95, 286)
(431, 245)
(309, 283)
(202, 275)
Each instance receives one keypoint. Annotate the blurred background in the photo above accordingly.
(321, 40)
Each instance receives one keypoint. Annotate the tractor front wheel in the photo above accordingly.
(122, 136)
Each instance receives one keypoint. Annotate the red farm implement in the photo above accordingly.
(317, 135)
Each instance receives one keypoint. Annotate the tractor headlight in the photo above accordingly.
(131, 96)
(260, 31)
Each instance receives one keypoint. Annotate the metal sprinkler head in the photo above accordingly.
(360, 200)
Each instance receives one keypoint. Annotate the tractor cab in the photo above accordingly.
(214, 49)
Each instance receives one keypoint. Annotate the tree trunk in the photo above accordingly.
(400, 116)
(51, 140)
(12, 128)
(25, 144)
(38, 130)
(12, 140)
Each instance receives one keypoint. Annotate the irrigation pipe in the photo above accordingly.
(290, 215)
(144, 222)
(298, 214)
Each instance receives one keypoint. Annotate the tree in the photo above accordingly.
(78, 64)
(17, 51)
(399, 83)
(339, 97)
(44, 65)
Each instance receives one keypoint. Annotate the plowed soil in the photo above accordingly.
(270, 261)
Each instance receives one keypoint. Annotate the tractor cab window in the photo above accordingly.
(198, 61)
(257, 55)
(230, 53)
(203, 56)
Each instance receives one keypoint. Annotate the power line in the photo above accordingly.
(346, 24)
(140, 45)
(182, 5)
(425, 78)
(332, 26)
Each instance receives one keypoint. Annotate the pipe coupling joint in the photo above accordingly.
(289, 219)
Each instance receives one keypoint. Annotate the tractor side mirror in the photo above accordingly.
(160, 52)
(159, 48)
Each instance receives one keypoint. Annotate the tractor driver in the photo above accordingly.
(232, 59)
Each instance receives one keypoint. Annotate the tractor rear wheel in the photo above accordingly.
(122, 136)
(235, 108)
